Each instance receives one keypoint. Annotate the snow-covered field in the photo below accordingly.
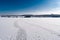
(29, 28)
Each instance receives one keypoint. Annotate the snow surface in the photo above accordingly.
(30, 28)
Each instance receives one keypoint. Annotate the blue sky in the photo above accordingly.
(12, 6)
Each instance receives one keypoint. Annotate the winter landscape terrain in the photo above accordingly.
(29, 28)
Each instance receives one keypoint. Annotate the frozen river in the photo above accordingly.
(29, 28)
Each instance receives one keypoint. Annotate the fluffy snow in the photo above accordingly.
(30, 28)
